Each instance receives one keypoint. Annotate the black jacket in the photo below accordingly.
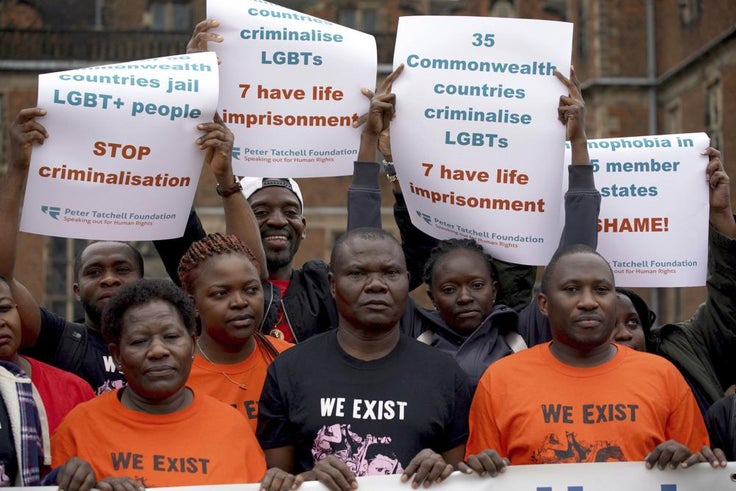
(307, 303)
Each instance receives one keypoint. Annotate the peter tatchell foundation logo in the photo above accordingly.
(52, 211)
(425, 217)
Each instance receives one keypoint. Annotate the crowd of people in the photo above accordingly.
(244, 367)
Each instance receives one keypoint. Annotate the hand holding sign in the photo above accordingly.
(721, 214)
(23, 134)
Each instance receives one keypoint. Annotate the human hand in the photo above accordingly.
(571, 109)
(201, 36)
(714, 456)
(118, 484)
(427, 467)
(217, 142)
(382, 110)
(280, 480)
(488, 462)
(670, 453)
(719, 186)
(76, 475)
(333, 473)
(24, 132)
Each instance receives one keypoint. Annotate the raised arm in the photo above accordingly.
(364, 194)
(582, 200)
(239, 218)
(704, 346)
(24, 133)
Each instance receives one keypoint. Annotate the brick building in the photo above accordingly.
(647, 68)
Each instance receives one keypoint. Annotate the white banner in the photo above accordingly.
(614, 476)
(290, 88)
(120, 162)
(653, 225)
(476, 139)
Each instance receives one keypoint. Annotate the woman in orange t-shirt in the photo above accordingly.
(155, 432)
(219, 272)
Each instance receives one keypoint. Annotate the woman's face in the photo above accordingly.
(628, 330)
(462, 289)
(229, 298)
(9, 324)
(155, 350)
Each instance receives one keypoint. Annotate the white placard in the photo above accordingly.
(653, 224)
(120, 162)
(613, 476)
(290, 88)
(476, 139)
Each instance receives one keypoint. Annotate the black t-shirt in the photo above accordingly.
(8, 458)
(375, 415)
(96, 365)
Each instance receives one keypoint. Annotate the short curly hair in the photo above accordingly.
(143, 292)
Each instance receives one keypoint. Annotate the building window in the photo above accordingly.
(60, 277)
(171, 15)
(673, 119)
(361, 17)
(713, 113)
(689, 11)
(581, 26)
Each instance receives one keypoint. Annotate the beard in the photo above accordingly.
(93, 313)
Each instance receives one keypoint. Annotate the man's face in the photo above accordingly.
(105, 266)
(282, 225)
(370, 283)
(580, 302)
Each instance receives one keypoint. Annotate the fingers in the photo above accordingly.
(201, 36)
(670, 453)
(715, 457)
(26, 129)
(714, 162)
(278, 480)
(216, 135)
(118, 484)
(488, 462)
(427, 467)
(387, 83)
(76, 475)
(335, 474)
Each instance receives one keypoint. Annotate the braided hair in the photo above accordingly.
(212, 245)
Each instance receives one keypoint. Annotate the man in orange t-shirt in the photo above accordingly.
(581, 398)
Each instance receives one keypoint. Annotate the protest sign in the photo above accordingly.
(120, 162)
(290, 88)
(613, 476)
(476, 139)
(653, 224)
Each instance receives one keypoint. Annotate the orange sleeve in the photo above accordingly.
(63, 445)
(686, 424)
(255, 461)
(484, 432)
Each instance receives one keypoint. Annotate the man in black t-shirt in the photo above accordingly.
(371, 400)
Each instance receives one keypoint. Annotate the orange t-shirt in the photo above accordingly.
(205, 443)
(534, 409)
(237, 384)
